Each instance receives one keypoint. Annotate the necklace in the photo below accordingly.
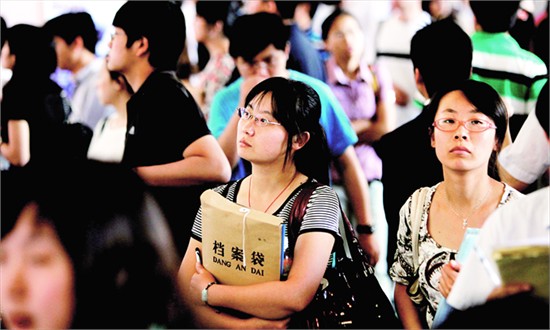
(276, 197)
(465, 219)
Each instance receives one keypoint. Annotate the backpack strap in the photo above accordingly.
(375, 83)
(417, 209)
(298, 211)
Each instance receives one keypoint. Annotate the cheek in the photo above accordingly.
(54, 285)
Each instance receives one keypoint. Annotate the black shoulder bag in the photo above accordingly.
(349, 295)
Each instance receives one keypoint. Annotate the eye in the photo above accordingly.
(245, 114)
(40, 259)
(263, 121)
(449, 121)
(268, 60)
(477, 122)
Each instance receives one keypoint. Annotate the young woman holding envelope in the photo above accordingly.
(280, 135)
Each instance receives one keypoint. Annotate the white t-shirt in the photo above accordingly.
(107, 143)
(524, 220)
(527, 166)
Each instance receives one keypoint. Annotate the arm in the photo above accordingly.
(357, 190)
(276, 300)
(505, 176)
(405, 308)
(372, 130)
(203, 315)
(203, 161)
(18, 150)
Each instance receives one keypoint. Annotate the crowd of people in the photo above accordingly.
(431, 133)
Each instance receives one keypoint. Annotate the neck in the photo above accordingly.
(83, 61)
(349, 67)
(120, 105)
(217, 46)
(265, 189)
(137, 76)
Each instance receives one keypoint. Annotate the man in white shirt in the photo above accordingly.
(75, 38)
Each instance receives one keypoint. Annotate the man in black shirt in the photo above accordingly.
(441, 54)
(167, 141)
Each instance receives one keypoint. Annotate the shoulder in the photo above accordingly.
(510, 194)
(315, 83)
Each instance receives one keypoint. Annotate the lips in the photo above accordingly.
(460, 149)
(19, 321)
(243, 143)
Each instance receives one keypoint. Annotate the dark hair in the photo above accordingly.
(487, 101)
(214, 11)
(115, 75)
(495, 16)
(3, 31)
(161, 22)
(34, 51)
(329, 21)
(442, 52)
(119, 243)
(250, 34)
(298, 108)
(71, 25)
(286, 8)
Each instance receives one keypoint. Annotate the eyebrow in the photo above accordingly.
(260, 111)
(450, 110)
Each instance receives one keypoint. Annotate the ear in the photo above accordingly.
(432, 139)
(287, 50)
(78, 43)
(300, 140)
(420, 86)
(216, 28)
(120, 84)
(142, 46)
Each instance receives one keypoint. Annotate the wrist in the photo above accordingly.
(204, 293)
(365, 229)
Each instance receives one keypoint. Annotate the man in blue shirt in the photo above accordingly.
(259, 45)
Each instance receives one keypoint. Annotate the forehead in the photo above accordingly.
(345, 20)
(455, 102)
(29, 229)
(262, 103)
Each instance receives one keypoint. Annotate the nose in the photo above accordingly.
(248, 126)
(261, 68)
(461, 132)
(13, 277)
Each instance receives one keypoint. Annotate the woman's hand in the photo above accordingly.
(199, 281)
(449, 272)
(370, 245)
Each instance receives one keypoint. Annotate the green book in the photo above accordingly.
(525, 264)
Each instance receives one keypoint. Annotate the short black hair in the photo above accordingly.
(329, 21)
(71, 25)
(495, 16)
(3, 31)
(486, 100)
(297, 107)
(34, 51)
(250, 34)
(213, 11)
(442, 52)
(161, 22)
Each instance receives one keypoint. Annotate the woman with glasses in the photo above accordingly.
(469, 125)
(280, 135)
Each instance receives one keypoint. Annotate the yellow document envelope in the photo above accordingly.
(240, 246)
